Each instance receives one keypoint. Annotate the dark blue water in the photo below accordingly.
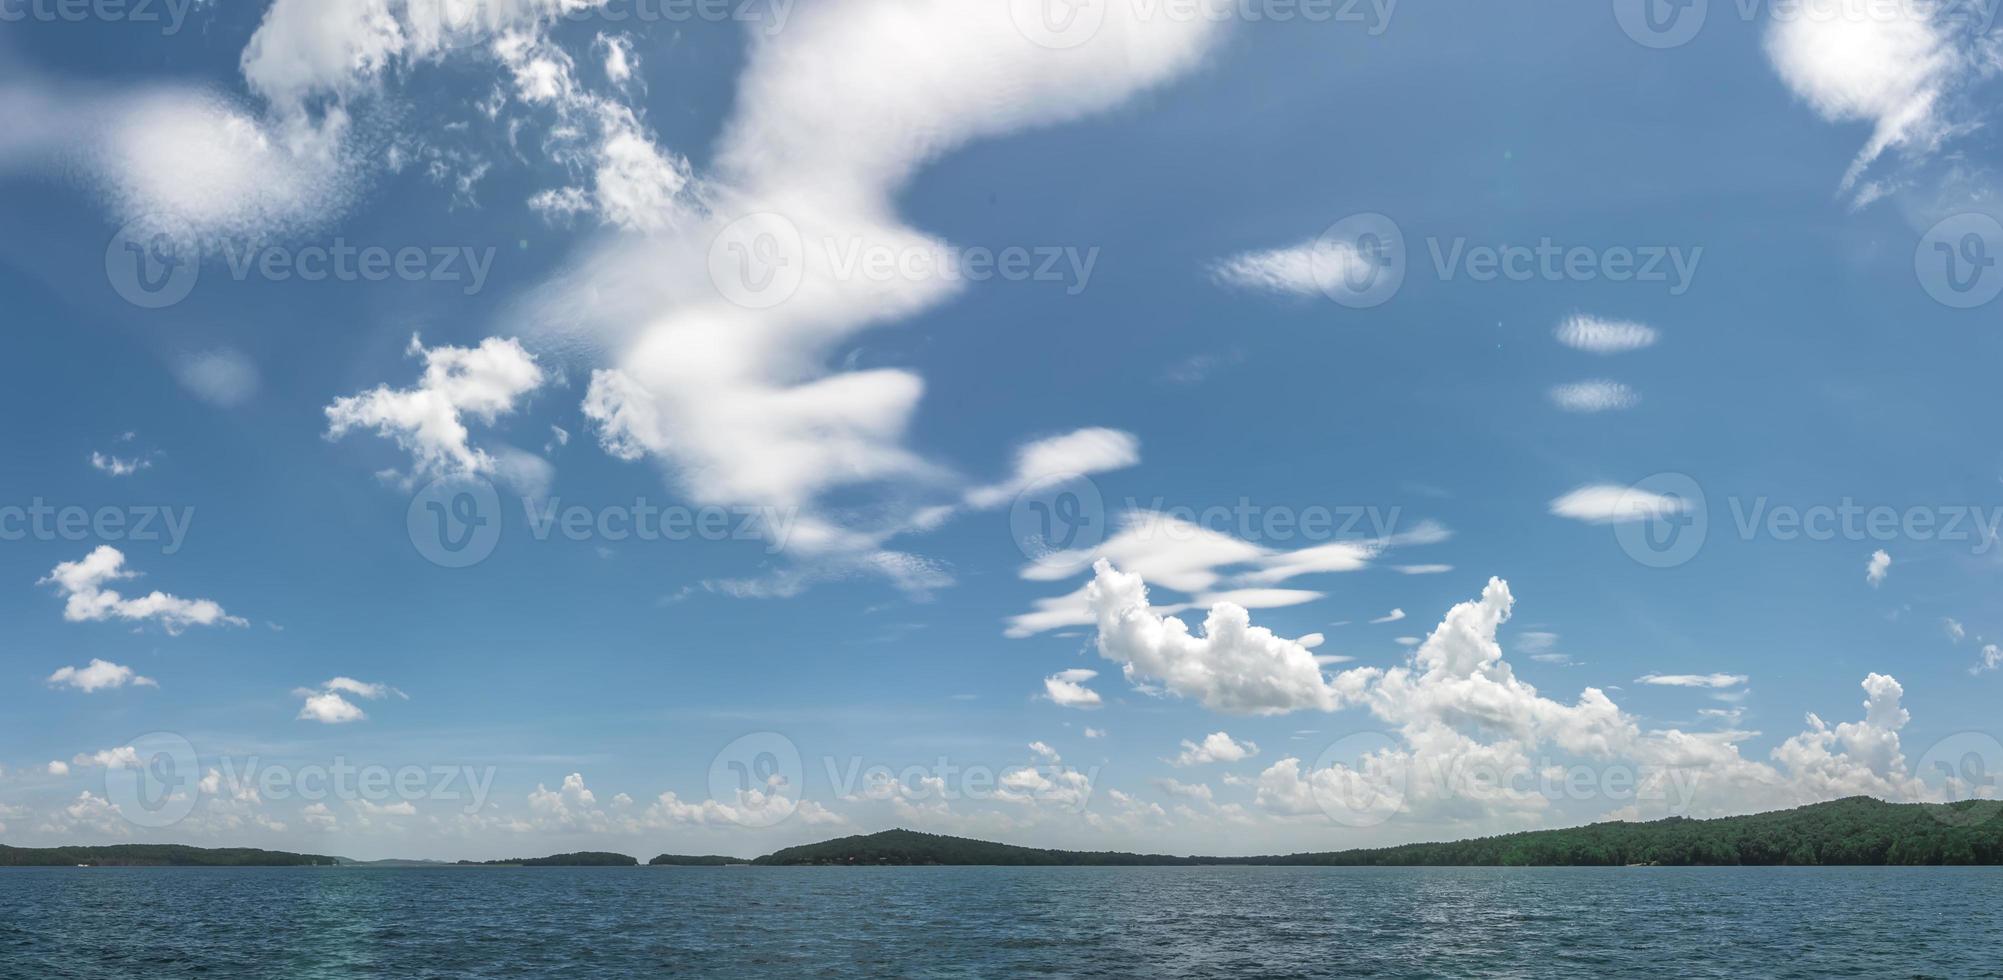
(607, 924)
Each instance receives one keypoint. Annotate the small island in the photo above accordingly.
(695, 861)
(578, 859)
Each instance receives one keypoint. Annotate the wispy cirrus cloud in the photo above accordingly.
(1597, 335)
(1594, 396)
(1711, 681)
(1609, 503)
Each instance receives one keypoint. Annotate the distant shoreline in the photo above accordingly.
(1854, 832)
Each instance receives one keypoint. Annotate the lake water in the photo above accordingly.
(608, 924)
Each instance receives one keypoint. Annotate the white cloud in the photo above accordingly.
(1594, 396)
(118, 466)
(327, 704)
(121, 757)
(83, 585)
(1233, 667)
(1095, 733)
(1311, 267)
(1390, 617)
(1894, 66)
(1607, 503)
(739, 399)
(635, 184)
(1877, 567)
(1210, 565)
(1601, 336)
(223, 171)
(100, 675)
(1045, 752)
(329, 708)
(1422, 569)
(1460, 709)
(57, 767)
(620, 62)
(483, 382)
(1955, 631)
(1080, 453)
(1215, 747)
(1067, 688)
(1714, 681)
(193, 162)
(1991, 659)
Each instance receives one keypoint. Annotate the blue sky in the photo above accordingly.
(660, 298)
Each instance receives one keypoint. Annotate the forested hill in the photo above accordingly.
(912, 847)
(1859, 830)
(153, 855)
